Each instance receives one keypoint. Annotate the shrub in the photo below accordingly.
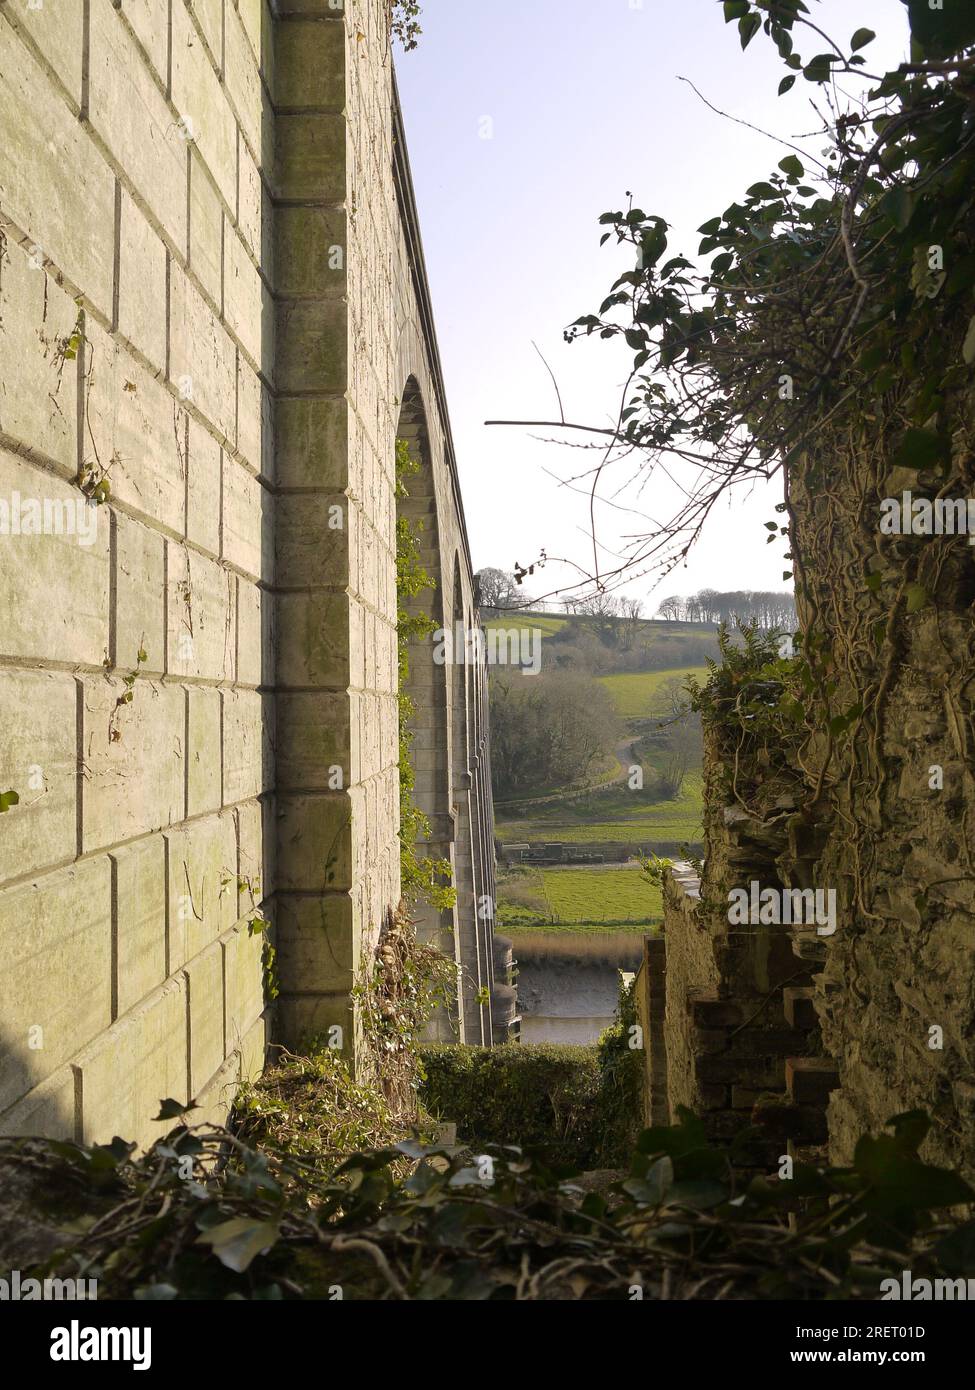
(564, 1104)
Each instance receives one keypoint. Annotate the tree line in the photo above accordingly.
(763, 608)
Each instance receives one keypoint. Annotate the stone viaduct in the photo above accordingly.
(214, 325)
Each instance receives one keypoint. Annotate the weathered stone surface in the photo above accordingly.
(139, 887)
(38, 760)
(56, 945)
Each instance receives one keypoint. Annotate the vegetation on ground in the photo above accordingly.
(205, 1214)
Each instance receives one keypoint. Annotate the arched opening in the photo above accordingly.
(426, 818)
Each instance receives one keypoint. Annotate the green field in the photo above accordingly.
(546, 623)
(615, 815)
(635, 693)
(577, 900)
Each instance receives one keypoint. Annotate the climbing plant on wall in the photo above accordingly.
(422, 877)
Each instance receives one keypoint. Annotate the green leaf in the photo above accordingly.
(735, 9)
(920, 448)
(8, 799)
(917, 597)
(792, 165)
(787, 83)
(748, 27)
(238, 1242)
(942, 32)
(819, 68)
(861, 38)
(172, 1109)
(763, 190)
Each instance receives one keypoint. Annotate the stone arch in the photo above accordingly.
(427, 681)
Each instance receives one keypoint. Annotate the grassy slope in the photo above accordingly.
(635, 693)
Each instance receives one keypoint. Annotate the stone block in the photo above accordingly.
(312, 443)
(139, 597)
(149, 22)
(206, 230)
(131, 118)
(254, 435)
(139, 886)
(56, 945)
(135, 431)
(202, 871)
(243, 82)
(38, 386)
(58, 32)
(73, 564)
(305, 1020)
(314, 638)
(39, 761)
(203, 748)
(244, 975)
(313, 740)
(254, 657)
(202, 357)
(209, 17)
(204, 976)
(201, 606)
(809, 1080)
(318, 944)
(247, 766)
(142, 286)
(317, 539)
(133, 757)
(46, 1112)
(203, 496)
(243, 297)
(138, 1063)
(310, 164)
(246, 520)
(309, 66)
(200, 100)
(314, 843)
(312, 345)
(51, 170)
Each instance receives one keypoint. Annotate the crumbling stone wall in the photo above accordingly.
(211, 305)
(897, 992)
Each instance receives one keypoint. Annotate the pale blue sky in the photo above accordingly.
(585, 102)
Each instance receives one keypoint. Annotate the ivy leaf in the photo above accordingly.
(762, 190)
(238, 1242)
(735, 9)
(172, 1109)
(917, 597)
(920, 448)
(861, 38)
(787, 83)
(792, 165)
(941, 32)
(8, 799)
(748, 27)
(819, 68)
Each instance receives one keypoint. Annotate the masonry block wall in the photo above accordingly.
(212, 308)
(134, 366)
(357, 368)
